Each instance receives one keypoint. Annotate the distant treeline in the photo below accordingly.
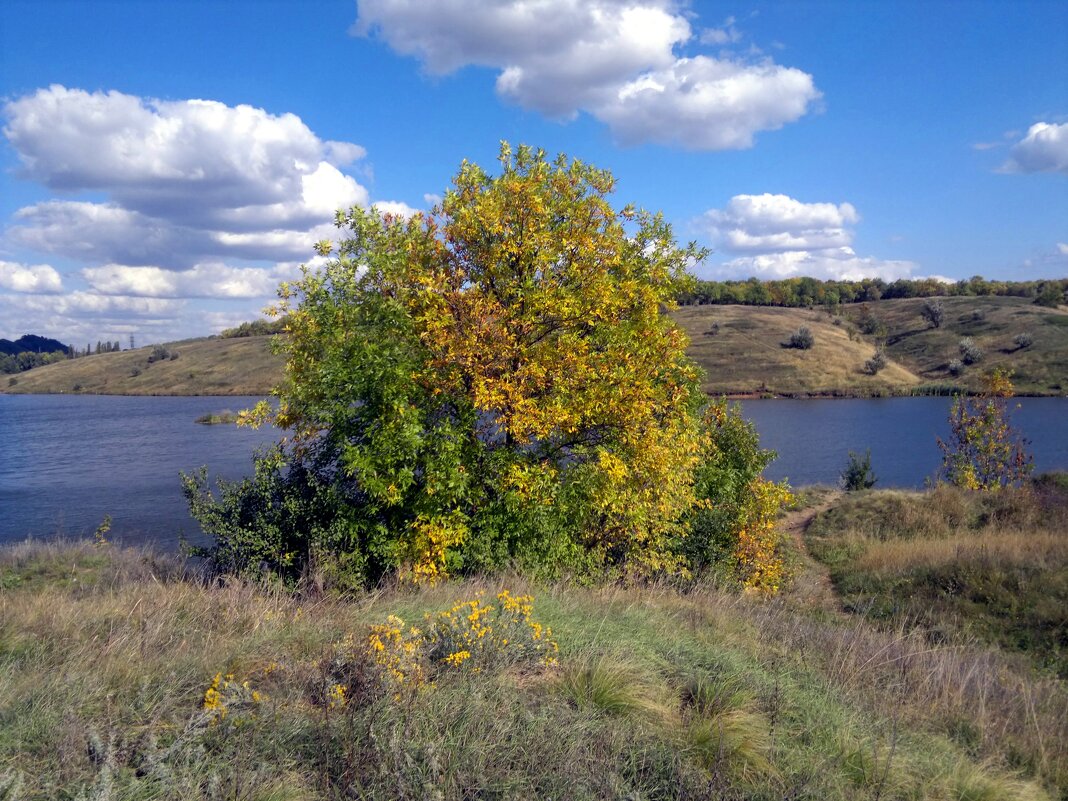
(256, 328)
(813, 292)
(31, 351)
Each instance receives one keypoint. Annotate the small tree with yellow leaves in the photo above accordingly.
(984, 452)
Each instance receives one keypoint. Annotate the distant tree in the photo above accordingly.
(876, 363)
(802, 339)
(984, 452)
(858, 474)
(1051, 295)
(933, 312)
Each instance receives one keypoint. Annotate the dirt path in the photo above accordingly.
(812, 585)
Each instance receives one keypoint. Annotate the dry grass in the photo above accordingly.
(1042, 550)
(987, 565)
(745, 354)
(105, 655)
(242, 366)
(991, 323)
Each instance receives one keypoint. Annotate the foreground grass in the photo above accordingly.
(993, 566)
(106, 655)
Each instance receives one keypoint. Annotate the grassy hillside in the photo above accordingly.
(124, 676)
(241, 366)
(990, 566)
(738, 346)
(992, 323)
(740, 349)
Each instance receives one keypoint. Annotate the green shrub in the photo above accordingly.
(802, 339)
(970, 353)
(289, 516)
(933, 312)
(876, 363)
(858, 474)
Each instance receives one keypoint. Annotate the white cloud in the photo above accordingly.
(208, 280)
(1062, 248)
(185, 181)
(616, 61)
(29, 278)
(726, 34)
(396, 208)
(777, 236)
(779, 223)
(1044, 149)
(81, 317)
(833, 263)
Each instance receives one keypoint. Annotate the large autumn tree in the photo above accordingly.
(495, 381)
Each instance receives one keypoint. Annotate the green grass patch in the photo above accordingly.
(991, 566)
(114, 688)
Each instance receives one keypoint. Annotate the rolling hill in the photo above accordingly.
(243, 366)
(739, 348)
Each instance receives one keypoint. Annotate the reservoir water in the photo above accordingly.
(66, 461)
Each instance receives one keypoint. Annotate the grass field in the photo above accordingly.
(740, 349)
(124, 675)
(992, 323)
(989, 566)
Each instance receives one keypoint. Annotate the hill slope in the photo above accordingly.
(992, 323)
(243, 366)
(739, 348)
(743, 353)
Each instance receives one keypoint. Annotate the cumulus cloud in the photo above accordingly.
(396, 208)
(164, 200)
(183, 179)
(86, 317)
(841, 264)
(777, 236)
(208, 280)
(29, 278)
(616, 61)
(1044, 149)
(779, 223)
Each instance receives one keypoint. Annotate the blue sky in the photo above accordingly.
(164, 164)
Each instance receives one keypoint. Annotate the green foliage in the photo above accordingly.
(1052, 294)
(876, 363)
(256, 328)
(802, 339)
(289, 515)
(933, 312)
(730, 528)
(984, 452)
(858, 474)
(498, 379)
(801, 292)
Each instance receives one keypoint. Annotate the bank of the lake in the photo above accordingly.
(66, 462)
